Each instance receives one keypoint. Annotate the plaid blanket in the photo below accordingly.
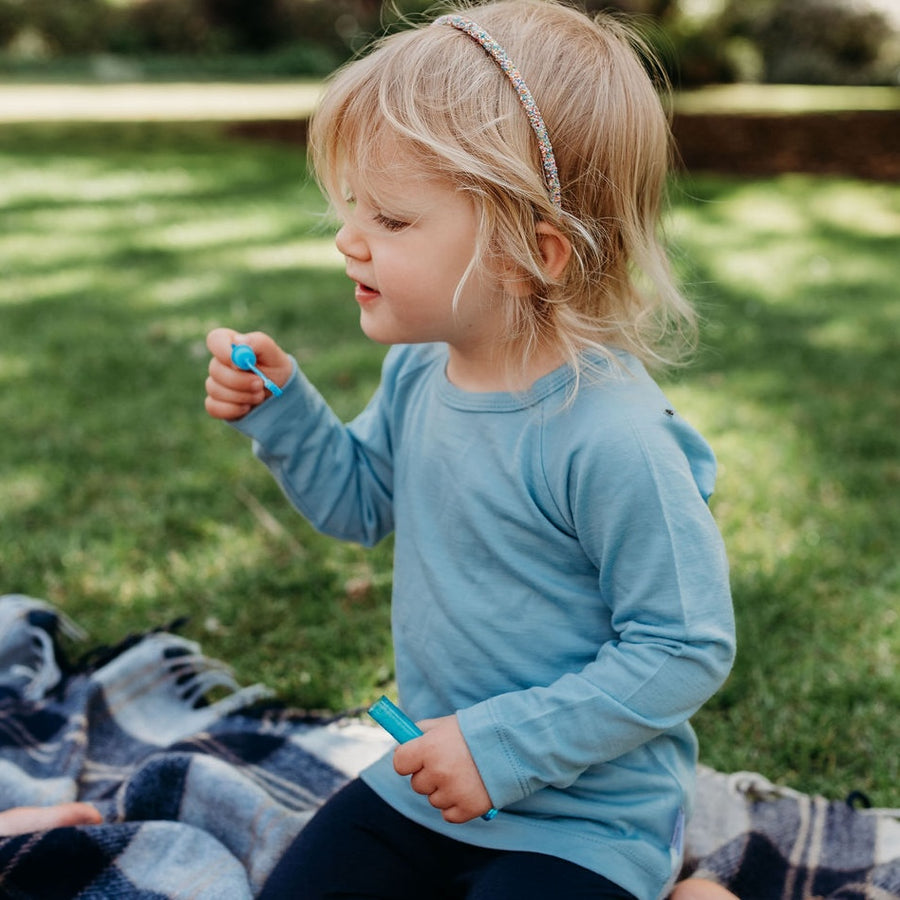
(765, 842)
(201, 796)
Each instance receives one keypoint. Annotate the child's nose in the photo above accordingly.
(351, 242)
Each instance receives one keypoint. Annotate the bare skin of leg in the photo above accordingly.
(24, 819)
(700, 889)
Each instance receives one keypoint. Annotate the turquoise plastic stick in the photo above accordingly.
(402, 729)
(243, 357)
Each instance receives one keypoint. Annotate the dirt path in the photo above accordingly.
(156, 102)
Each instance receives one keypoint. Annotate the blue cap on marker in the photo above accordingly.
(243, 357)
(402, 729)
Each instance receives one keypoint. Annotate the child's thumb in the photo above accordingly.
(219, 342)
(268, 353)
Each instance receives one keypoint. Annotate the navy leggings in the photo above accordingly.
(359, 848)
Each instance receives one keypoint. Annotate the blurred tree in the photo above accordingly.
(662, 10)
(816, 41)
(74, 26)
(253, 25)
(812, 41)
(165, 26)
(12, 21)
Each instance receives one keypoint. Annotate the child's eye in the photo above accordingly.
(388, 223)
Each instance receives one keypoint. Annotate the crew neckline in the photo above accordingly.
(502, 401)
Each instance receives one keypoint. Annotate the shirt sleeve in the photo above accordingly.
(339, 477)
(641, 517)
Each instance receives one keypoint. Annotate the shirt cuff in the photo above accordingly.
(494, 757)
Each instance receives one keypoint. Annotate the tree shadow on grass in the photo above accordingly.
(122, 501)
(805, 391)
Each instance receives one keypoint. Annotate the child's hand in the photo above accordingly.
(232, 392)
(442, 768)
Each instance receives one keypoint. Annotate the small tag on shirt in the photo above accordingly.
(677, 842)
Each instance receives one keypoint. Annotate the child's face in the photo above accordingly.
(407, 251)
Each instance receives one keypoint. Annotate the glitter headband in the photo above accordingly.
(498, 54)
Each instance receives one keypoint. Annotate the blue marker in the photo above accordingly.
(243, 357)
(402, 729)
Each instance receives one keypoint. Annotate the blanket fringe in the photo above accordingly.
(28, 652)
(753, 787)
(31, 660)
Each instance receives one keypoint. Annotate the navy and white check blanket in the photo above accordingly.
(201, 796)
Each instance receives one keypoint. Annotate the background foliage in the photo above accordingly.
(701, 41)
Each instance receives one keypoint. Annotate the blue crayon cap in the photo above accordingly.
(243, 357)
(402, 729)
(394, 721)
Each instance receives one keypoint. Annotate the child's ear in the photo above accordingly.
(556, 248)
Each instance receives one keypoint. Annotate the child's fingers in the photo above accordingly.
(230, 393)
(407, 759)
(79, 814)
(230, 384)
(219, 342)
(251, 394)
(270, 358)
(268, 353)
(226, 411)
(458, 815)
(25, 819)
(226, 403)
(423, 783)
(230, 378)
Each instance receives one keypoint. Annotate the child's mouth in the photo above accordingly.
(365, 293)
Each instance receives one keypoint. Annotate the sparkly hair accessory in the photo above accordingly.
(498, 54)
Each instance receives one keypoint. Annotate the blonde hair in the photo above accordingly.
(455, 114)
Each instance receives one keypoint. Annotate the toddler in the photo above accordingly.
(560, 603)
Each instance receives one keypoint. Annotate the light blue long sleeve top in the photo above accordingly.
(559, 584)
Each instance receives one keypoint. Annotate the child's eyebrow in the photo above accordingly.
(403, 207)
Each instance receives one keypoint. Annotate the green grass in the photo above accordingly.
(123, 503)
(798, 388)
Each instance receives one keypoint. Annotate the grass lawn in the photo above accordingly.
(125, 505)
